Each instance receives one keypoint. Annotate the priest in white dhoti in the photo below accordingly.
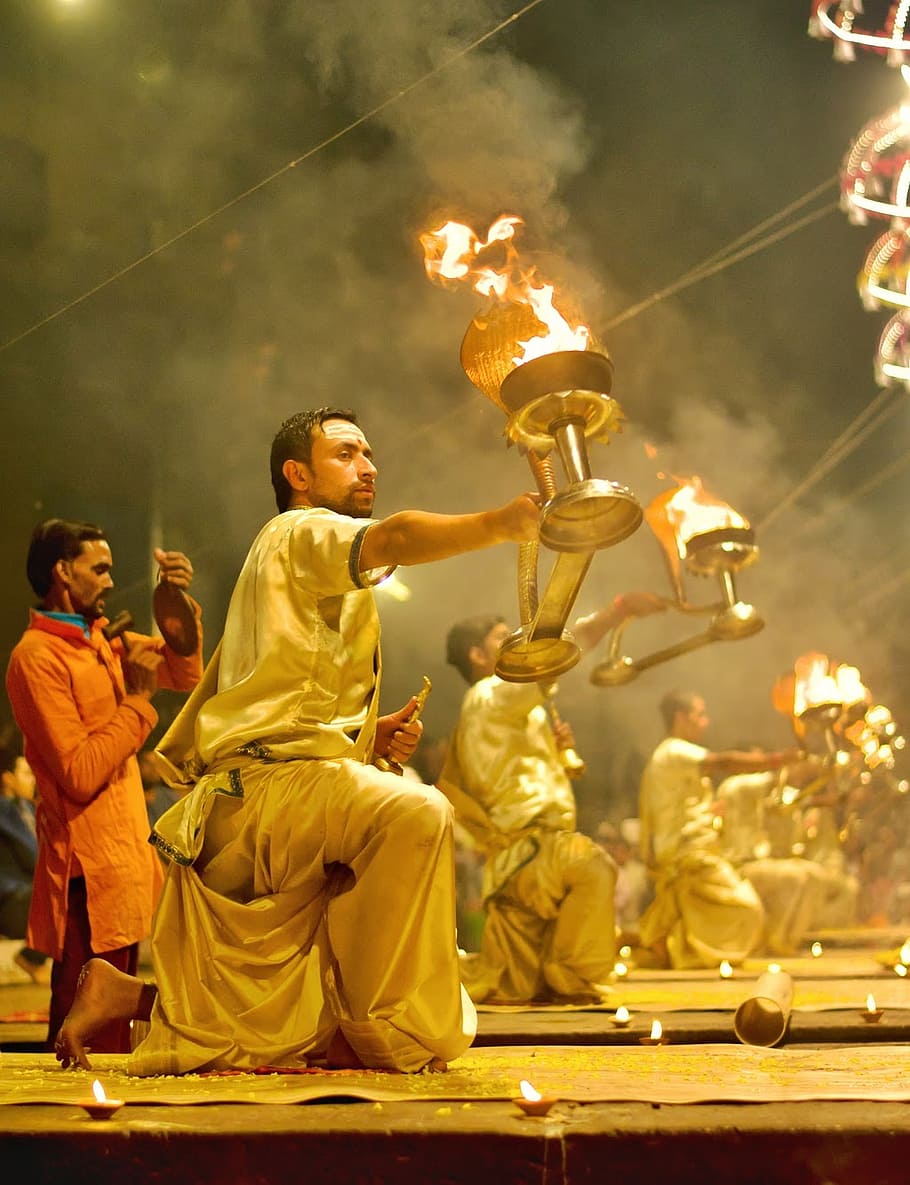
(790, 887)
(704, 911)
(549, 931)
(308, 913)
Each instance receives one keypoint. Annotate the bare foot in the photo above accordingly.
(340, 1056)
(103, 994)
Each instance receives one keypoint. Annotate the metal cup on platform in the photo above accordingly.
(718, 551)
(557, 402)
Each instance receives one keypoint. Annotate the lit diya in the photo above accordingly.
(656, 1036)
(532, 1102)
(871, 1015)
(621, 1017)
(100, 1106)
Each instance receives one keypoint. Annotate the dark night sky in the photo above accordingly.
(633, 144)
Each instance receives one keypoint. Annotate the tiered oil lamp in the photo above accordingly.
(708, 538)
(553, 383)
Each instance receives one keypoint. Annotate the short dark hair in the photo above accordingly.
(676, 701)
(465, 635)
(294, 442)
(55, 539)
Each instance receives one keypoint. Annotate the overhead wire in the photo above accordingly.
(857, 431)
(389, 101)
(729, 255)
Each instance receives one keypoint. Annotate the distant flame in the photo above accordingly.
(657, 1030)
(815, 685)
(870, 1003)
(622, 1013)
(528, 1091)
(456, 252)
(725, 970)
(98, 1092)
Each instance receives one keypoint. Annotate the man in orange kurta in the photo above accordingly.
(83, 704)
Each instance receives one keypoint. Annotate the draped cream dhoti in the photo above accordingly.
(306, 896)
(791, 891)
(704, 910)
(549, 930)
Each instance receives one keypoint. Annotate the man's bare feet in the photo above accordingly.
(103, 994)
(340, 1055)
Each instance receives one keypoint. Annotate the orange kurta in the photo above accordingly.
(82, 731)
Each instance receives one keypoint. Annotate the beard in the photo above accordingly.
(354, 504)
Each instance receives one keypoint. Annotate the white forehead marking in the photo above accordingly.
(343, 430)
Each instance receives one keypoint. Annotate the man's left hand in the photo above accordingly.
(174, 568)
(397, 736)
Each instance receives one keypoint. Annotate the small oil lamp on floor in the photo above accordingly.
(532, 1102)
(870, 1014)
(656, 1036)
(100, 1106)
(621, 1018)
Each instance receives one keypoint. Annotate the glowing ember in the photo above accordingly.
(455, 252)
(528, 1092)
(725, 970)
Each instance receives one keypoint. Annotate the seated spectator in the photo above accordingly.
(18, 854)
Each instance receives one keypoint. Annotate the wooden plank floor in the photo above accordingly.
(419, 1142)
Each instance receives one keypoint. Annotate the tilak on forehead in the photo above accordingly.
(344, 430)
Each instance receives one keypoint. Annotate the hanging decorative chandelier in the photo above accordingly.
(837, 20)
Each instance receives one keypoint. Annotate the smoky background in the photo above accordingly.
(633, 145)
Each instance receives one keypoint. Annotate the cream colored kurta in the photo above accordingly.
(549, 928)
(702, 908)
(308, 891)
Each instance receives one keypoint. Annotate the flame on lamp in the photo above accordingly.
(528, 1092)
(98, 1091)
(657, 1030)
(681, 514)
(455, 252)
(815, 686)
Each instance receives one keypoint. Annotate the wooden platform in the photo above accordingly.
(420, 1141)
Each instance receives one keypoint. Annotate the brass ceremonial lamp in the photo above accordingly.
(555, 402)
(710, 539)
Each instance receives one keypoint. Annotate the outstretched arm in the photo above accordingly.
(420, 537)
(589, 630)
(733, 761)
